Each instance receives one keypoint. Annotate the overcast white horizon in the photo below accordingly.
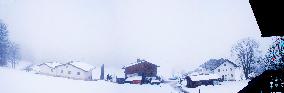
(174, 34)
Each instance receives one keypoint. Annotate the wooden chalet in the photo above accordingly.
(141, 68)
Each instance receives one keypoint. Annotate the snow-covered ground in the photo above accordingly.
(225, 87)
(15, 81)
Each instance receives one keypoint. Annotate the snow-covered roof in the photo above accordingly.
(52, 64)
(215, 63)
(134, 78)
(81, 65)
(138, 62)
(155, 81)
(204, 77)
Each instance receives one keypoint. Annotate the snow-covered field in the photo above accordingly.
(15, 81)
(225, 87)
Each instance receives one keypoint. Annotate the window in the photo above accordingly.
(51, 70)
(226, 69)
(224, 64)
(218, 70)
(232, 75)
(69, 72)
(61, 71)
(231, 69)
(66, 66)
(78, 73)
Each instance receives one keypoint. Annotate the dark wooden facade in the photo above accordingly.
(142, 67)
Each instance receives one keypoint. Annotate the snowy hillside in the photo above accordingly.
(15, 81)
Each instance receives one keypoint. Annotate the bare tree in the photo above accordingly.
(13, 53)
(245, 52)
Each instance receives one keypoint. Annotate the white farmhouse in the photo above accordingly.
(48, 68)
(223, 67)
(75, 70)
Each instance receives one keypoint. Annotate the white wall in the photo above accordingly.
(227, 71)
(73, 72)
(44, 69)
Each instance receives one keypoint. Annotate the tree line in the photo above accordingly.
(9, 50)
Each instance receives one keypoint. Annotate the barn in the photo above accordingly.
(141, 68)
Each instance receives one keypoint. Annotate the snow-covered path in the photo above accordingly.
(14, 81)
(178, 88)
(225, 87)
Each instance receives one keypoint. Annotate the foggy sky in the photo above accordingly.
(170, 33)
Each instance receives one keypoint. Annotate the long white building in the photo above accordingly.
(48, 68)
(73, 70)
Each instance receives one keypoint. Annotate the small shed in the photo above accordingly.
(119, 77)
(195, 80)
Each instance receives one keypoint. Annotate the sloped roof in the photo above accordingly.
(204, 77)
(214, 63)
(81, 65)
(51, 64)
(138, 62)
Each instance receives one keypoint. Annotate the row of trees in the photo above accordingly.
(9, 51)
(249, 57)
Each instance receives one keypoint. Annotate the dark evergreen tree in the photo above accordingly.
(102, 72)
(275, 55)
(3, 44)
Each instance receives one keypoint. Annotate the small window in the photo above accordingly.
(51, 70)
(226, 69)
(224, 64)
(218, 70)
(231, 69)
(69, 72)
(232, 75)
(78, 73)
(61, 71)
